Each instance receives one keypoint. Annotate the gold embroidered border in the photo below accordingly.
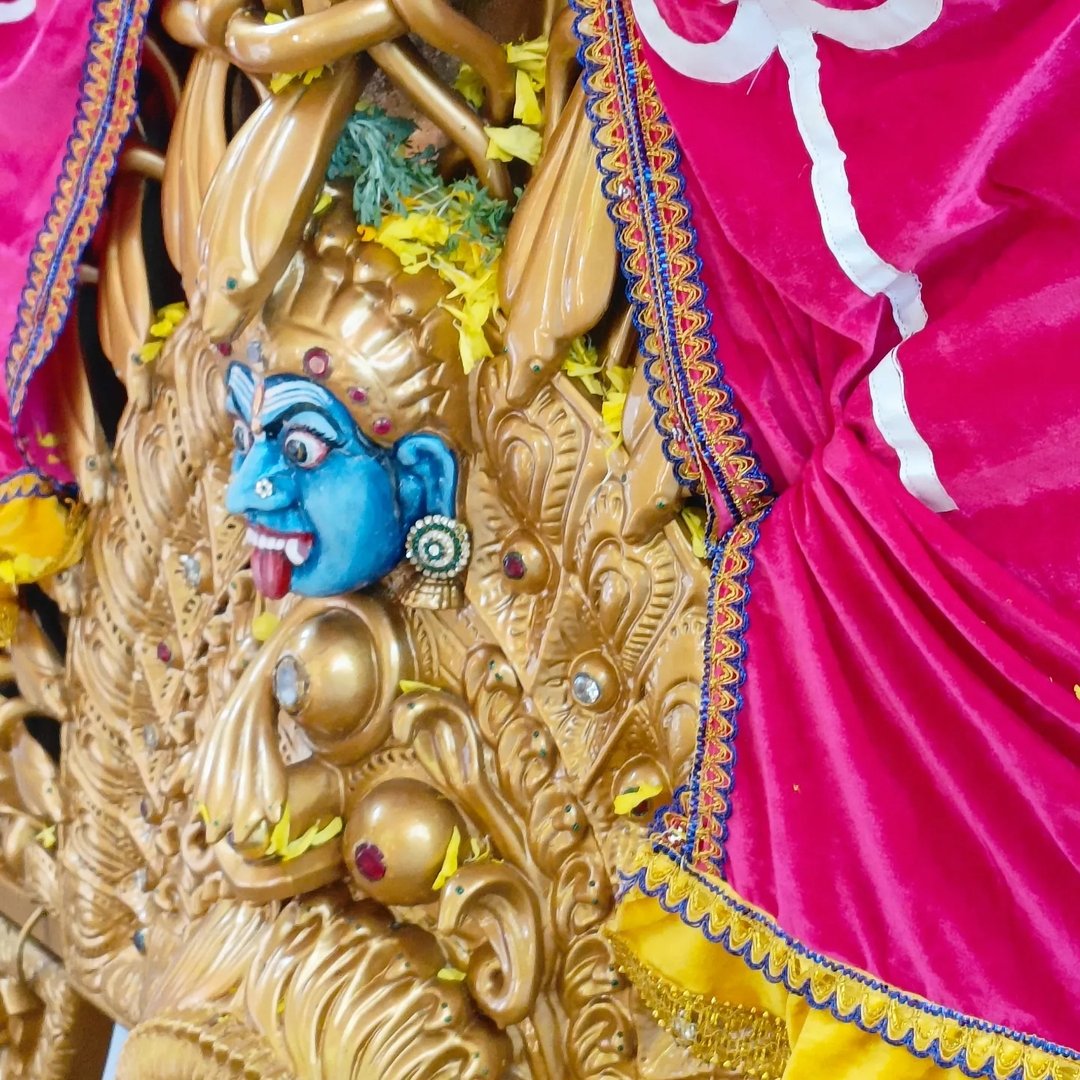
(106, 104)
(742, 1039)
(850, 995)
(639, 158)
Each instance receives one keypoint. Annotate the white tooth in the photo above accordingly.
(251, 538)
(293, 553)
(278, 543)
(264, 541)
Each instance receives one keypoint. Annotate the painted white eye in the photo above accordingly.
(241, 437)
(304, 448)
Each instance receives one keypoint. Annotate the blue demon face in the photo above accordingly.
(327, 509)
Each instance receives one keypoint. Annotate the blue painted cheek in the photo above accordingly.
(351, 505)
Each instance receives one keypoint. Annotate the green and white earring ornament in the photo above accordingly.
(438, 547)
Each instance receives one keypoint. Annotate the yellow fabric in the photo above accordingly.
(39, 536)
(821, 1046)
(708, 996)
(680, 973)
(33, 535)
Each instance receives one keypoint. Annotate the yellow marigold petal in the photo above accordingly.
(620, 377)
(279, 835)
(472, 344)
(519, 141)
(450, 860)
(328, 832)
(612, 411)
(175, 313)
(150, 351)
(582, 351)
(312, 74)
(365, 232)
(279, 81)
(526, 106)
(531, 57)
(1076, 691)
(633, 797)
(407, 686)
(295, 848)
(577, 370)
(324, 202)
(47, 837)
(204, 813)
(162, 329)
(263, 625)
(470, 86)
(49, 440)
(450, 974)
(272, 17)
(694, 520)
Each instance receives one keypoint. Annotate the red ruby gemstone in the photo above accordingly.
(224, 348)
(164, 653)
(514, 565)
(357, 394)
(317, 362)
(369, 862)
(382, 425)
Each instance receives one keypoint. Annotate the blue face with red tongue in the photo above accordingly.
(327, 509)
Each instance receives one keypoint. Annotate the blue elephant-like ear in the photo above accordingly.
(427, 477)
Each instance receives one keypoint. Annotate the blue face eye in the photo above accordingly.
(304, 448)
(242, 437)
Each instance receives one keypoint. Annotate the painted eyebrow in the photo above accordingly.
(313, 419)
(239, 391)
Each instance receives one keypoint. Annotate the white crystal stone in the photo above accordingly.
(684, 1029)
(585, 688)
(290, 683)
(192, 571)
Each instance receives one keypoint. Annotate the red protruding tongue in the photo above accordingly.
(272, 572)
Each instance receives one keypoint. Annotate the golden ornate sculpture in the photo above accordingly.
(312, 831)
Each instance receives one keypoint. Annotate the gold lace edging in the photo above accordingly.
(950, 1039)
(742, 1039)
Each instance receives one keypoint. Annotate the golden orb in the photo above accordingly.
(396, 838)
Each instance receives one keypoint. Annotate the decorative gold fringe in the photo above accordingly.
(742, 1039)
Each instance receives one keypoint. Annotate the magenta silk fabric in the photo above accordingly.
(907, 778)
(43, 62)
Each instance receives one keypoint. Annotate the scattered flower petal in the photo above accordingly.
(518, 141)
(450, 974)
(450, 860)
(470, 86)
(526, 107)
(407, 686)
(633, 797)
(694, 520)
(530, 57)
(263, 625)
(279, 835)
(150, 351)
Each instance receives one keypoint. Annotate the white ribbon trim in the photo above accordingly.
(13, 11)
(918, 473)
(788, 26)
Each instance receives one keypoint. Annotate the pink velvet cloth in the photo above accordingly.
(907, 784)
(67, 80)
